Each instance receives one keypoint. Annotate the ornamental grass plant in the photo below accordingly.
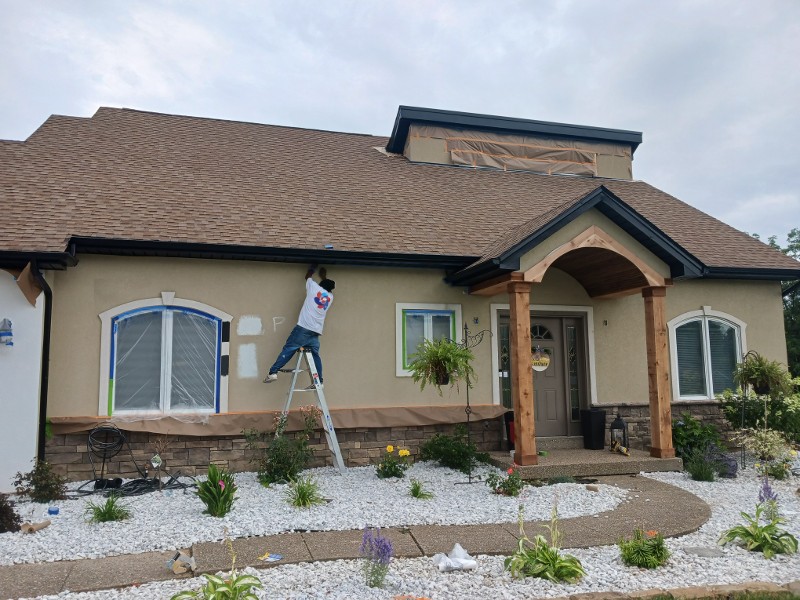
(218, 492)
(645, 550)
(393, 465)
(418, 491)
(304, 493)
(110, 510)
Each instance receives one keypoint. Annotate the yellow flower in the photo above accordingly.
(404, 453)
(390, 448)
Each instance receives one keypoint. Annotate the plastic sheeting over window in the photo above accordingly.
(165, 360)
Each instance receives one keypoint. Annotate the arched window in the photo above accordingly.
(164, 358)
(705, 347)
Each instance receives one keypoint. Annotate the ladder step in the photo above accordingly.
(292, 370)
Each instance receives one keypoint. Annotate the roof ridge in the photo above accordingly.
(231, 121)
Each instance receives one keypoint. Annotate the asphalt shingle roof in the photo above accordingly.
(131, 175)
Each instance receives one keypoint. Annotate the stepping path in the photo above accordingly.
(650, 504)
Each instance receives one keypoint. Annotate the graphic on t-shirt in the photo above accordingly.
(322, 300)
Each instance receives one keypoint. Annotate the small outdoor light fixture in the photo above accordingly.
(619, 432)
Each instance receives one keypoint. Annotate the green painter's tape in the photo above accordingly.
(110, 394)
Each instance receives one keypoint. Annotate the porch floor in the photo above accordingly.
(588, 463)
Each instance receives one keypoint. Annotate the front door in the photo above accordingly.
(559, 389)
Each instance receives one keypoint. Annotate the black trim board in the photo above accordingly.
(449, 118)
(47, 261)
(258, 253)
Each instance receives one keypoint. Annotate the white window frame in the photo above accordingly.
(400, 307)
(704, 315)
(107, 348)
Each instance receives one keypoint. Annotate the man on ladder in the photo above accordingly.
(305, 339)
(305, 334)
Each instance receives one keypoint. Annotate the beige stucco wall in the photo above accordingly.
(359, 346)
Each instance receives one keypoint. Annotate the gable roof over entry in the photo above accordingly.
(126, 181)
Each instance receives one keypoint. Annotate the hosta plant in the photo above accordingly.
(234, 586)
(767, 538)
(540, 558)
(645, 550)
(217, 492)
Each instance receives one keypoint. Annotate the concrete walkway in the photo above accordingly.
(651, 505)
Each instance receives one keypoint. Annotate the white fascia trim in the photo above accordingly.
(166, 299)
(494, 309)
(672, 324)
(398, 330)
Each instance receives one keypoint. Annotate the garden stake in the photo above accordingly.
(470, 342)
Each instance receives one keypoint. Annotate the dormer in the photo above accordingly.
(443, 137)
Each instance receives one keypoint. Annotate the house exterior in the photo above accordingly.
(174, 250)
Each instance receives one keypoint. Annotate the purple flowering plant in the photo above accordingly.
(769, 499)
(377, 552)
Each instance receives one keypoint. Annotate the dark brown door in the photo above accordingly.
(549, 389)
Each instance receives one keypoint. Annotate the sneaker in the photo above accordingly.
(270, 377)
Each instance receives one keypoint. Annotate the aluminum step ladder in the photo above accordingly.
(327, 422)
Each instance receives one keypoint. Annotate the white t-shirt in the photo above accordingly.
(315, 307)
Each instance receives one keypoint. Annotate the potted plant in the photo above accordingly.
(763, 375)
(441, 362)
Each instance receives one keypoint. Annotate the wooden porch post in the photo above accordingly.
(519, 297)
(658, 373)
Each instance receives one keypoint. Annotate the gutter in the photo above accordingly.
(48, 321)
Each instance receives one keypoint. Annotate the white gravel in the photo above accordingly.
(357, 499)
(605, 571)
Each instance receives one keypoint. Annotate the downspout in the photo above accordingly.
(48, 319)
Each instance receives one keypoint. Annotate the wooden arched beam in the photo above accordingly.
(594, 237)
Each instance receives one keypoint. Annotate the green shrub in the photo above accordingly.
(699, 467)
(110, 510)
(217, 492)
(689, 435)
(9, 520)
(453, 451)
(304, 493)
(283, 458)
(42, 484)
(392, 465)
(768, 538)
(779, 412)
(645, 550)
(540, 558)
(418, 491)
(510, 485)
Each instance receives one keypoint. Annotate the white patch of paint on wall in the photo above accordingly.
(249, 325)
(246, 362)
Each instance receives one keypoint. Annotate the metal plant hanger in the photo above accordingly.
(467, 342)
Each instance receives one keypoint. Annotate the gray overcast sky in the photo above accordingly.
(713, 85)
